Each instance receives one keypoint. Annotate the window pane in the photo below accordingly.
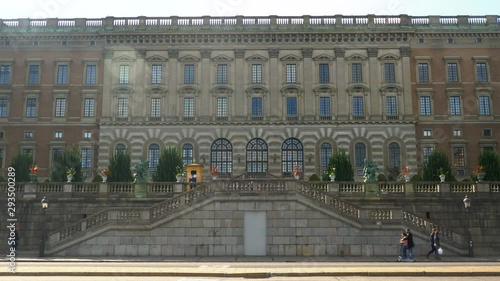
(455, 105)
(187, 154)
(458, 156)
(360, 154)
(357, 76)
(482, 72)
(33, 74)
(257, 106)
(222, 107)
(390, 75)
(484, 105)
(155, 107)
(292, 155)
(394, 155)
(156, 73)
(91, 75)
(326, 154)
(452, 72)
(188, 107)
(257, 156)
(62, 74)
(4, 74)
(122, 107)
(89, 108)
(189, 74)
(324, 73)
(31, 107)
(391, 106)
(426, 151)
(124, 74)
(291, 106)
(153, 155)
(222, 74)
(423, 72)
(222, 157)
(86, 157)
(324, 106)
(358, 108)
(256, 73)
(3, 107)
(425, 105)
(291, 73)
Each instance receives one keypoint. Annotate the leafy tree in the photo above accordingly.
(381, 178)
(393, 173)
(119, 168)
(69, 158)
(436, 162)
(314, 177)
(21, 163)
(490, 160)
(168, 162)
(343, 168)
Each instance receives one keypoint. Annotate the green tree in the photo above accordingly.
(168, 162)
(69, 158)
(490, 160)
(119, 167)
(21, 163)
(437, 160)
(343, 167)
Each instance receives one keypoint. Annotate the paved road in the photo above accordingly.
(348, 278)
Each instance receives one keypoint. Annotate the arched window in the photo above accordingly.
(222, 157)
(187, 154)
(120, 148)
(394, 155)
(326, 154)
(257, 156)
(153, 155)
(360, 154)
(292, 154)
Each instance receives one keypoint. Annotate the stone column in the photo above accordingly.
(175, 103)
(139, 106)
(374, 106)
(107, 99)
(405, 102)
(341, 104)
(205, 103)
(240, 99)
(309, 100)
(274, 106)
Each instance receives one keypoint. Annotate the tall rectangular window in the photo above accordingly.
(189, 74)
(56, 151)
(291, 73)
(324, 107)
(256, 73)
(3, 107)
(222, 107)
(86, 158)
(60, 107)
(34, 74)
(452, 72)
(425, 105)
(426, 152)
(291, 106)
(390, 73)
(482, 72)
(222, 74)
(324, 73)
(455, 105)
(122, 107)
(4, 74)
(423, 72)
(155, 107)
(89, 107)
(357, 73)
(31, 107)
(188, 107)
(358, 108)
(459, 156)
(156, 73)
(91, 74)
(124, 74)
(391, 106)
(484, 105)
(62, 74)
(256, 106)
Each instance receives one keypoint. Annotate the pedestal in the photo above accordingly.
(371, 189)
(140, 190)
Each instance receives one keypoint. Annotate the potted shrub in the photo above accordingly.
(70, 173)
(178, 173)
(479, 172)
(297, 172)
(105, 174)
(442, 174)
(332, 174)
(214, 172)
(33, 172)
(406, 173)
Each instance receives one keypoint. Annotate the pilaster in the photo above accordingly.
(341, 105)
(174, 101)
(240, 99)
(206, 102)
(373, 100)
(308, 95)
(406, 95)
(275, 104)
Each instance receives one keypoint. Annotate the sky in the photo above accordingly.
(165, 8)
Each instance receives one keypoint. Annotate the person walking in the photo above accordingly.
(404, 244)
(434, 240)
(411, 244)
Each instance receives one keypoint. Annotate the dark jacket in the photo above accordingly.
(409, 237)
(434, 239)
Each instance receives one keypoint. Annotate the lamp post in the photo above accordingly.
(467, 202)
(45, 206)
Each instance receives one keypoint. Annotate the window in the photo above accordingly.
(62, 74)
(189, 74)
(89, 107)
(452, 72)
(153, 155)
(359, 154)
(459, 156)
(34, 74)
(291, 106)
(222, 156)
(455, 105)
(3, 107)
(426, 152)
(457, 133)
(56, 151)
(479, 40)
(394, 155)
(156, 73)
(257, 156)
(222, 107)
(4, 74)
(222, 74)
(91, 74)
(64, 43)
(390, 74)
(484, 105)
(256, 107)
(86, 158)
(425, 105)
(155, 107)
(187, 154)
(325, 155)
(87, 134)
(292, 155)
(427, 133)
(423, 72)
(451, 40)
(291, 73)
(36, 43)
(124, 74)
(357, 73)
(31, 107)
(421, 40)
(122, 107)
(486, 133)
(358, 108)
(120, 148)
(29, 135)
(189, 107)
(391, 106)
(60, 107)
(58, 134)
(482, 72)
(324, 73)
(324, 107)
(256, 73)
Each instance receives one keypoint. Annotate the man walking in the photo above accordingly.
(434, 240)
(411, 244)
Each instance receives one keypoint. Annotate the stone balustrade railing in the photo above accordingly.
(248, 21)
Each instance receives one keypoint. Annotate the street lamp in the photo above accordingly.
(467, 202)
(45, 206)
